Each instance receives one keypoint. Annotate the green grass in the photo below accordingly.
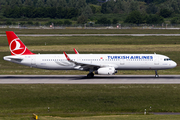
(107, 117)
(120, 40)
(87, 100)
(89, 31)
(100, 48)
(118, 117)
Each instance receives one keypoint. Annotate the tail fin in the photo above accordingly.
(16, 46)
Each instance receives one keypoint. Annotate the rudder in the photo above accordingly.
(16, 46)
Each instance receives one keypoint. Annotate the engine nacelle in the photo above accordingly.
(106, 71)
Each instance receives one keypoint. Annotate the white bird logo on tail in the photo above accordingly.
(18, 45)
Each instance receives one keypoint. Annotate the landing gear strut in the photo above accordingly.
(156, 74)
(90, 75)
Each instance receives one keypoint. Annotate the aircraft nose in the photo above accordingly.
(174, 64)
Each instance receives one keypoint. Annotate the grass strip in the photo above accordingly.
(88, 100)
(118, 117)
(108, 117)
(90, 48)
(89, 31)
(97, 40)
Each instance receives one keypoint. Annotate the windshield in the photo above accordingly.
(167, 59)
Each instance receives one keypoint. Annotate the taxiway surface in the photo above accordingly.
(82, 79)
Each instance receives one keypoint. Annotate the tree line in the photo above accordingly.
(137, 18)
(41, 12)
(151, 11)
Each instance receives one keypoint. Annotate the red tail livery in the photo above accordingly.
(16, 46)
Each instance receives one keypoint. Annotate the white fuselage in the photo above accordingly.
(118, 61)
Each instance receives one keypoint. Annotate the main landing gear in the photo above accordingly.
(90, 75)
(156, 74)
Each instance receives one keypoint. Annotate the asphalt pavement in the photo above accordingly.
(82, 79)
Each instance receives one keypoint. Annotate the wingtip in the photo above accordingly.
(76, 51)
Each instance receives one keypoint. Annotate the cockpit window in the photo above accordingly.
(167, 59)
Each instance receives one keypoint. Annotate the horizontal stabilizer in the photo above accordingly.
(10, 58)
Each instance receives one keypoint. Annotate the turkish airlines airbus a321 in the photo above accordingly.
(103, 64)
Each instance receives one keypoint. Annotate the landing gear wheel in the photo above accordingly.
(156, 74)
(90, 75)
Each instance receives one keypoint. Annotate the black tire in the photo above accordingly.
(90, 75)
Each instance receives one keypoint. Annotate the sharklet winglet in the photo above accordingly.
(76, 51)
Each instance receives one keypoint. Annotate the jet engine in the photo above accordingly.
(106, 71)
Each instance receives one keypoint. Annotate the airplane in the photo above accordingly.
(103, 64)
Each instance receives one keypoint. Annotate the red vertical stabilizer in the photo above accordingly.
(16, 46)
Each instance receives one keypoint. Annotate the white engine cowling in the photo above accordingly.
(106, 71)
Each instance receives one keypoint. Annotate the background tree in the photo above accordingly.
(37, 23)
(28, 3)
(59, 12)
(82, 19)
(134, 6)
(74, 9)
(39, 3)
(165, 13)
(151, 8)
(81, 4)
(115, 21)
(87, 11)
(61, 3)
(67, 22)
(108, 7)
(175, 5)
(103, 21)
(175, 20)
(8, 22)
(72, 3)
(93, 9)
(59, 22)
(154, 19)
(134, 17)
(119, 7)
(92, 1)
(30, 23)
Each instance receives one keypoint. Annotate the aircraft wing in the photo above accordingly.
(82, 65)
